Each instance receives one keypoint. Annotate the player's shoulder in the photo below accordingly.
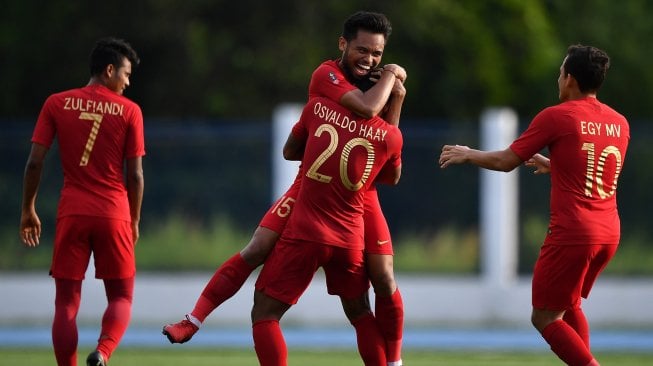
(617, 116)
(328, 68)
(328, 64)
(66, 93)
(120, 99)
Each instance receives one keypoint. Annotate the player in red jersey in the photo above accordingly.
(587, 142)
(342, 156)
(101, 144)
(362, 43)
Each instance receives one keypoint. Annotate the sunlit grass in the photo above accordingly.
(175, 356)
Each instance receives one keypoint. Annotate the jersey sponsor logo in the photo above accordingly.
(334, 78)
(382, 242)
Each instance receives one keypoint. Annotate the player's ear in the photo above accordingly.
(570, 82)
(109, 70)
(342, 44)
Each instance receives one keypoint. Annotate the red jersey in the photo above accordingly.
(97, 129)
(343, 156)
(587, 142)
(329, 81)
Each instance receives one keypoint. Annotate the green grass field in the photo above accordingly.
(246, 357)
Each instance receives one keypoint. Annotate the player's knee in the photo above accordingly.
(266, 307)
(356, 308)
(542, 318)
(384, 283)
(259, 247)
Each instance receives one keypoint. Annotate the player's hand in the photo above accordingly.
(375, 74)
(453, 154)
(541, 163)
(30, 228)
(398, 89)
(398, 71)
(135, 231)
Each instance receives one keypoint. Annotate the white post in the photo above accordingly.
(283, 171)
(498, 203)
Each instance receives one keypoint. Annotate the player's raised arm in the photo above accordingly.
(392, 111)
(370, 103)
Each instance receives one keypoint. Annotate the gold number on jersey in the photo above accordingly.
(283, 206)
(590, 177)
(333, 143)
(344, 159)
(97, 120)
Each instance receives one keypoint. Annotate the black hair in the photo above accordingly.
(367, 21)
(111, 50)
(588, 65)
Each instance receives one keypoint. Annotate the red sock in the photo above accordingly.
(64, 325)
(269, 344)
(389, 311)
(567, 344)
(371, 344)
(117, 314)
(576, 319)
(226, 281)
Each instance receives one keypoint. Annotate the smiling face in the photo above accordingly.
(361, 54)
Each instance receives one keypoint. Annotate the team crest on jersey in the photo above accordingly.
(333, 78)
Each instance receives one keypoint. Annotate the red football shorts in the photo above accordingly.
(277, 216)
(290, 267)
(377, 233)
(565, 273)
(109, 240)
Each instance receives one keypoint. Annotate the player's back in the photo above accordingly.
(343, 156)
(96, 129)
(587, 142)
(588, 161)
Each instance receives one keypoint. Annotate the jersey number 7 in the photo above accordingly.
(97, 121)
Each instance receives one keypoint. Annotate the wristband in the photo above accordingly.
(392, 72)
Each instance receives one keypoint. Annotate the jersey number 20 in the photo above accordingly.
(344, 159)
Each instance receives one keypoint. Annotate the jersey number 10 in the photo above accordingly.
(590, 177)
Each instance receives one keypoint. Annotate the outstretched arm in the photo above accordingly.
(503, 160)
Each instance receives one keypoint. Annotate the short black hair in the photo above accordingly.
(367, 21)
(111, 50)
(588, 65)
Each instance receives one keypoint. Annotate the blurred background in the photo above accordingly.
(213, 72)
